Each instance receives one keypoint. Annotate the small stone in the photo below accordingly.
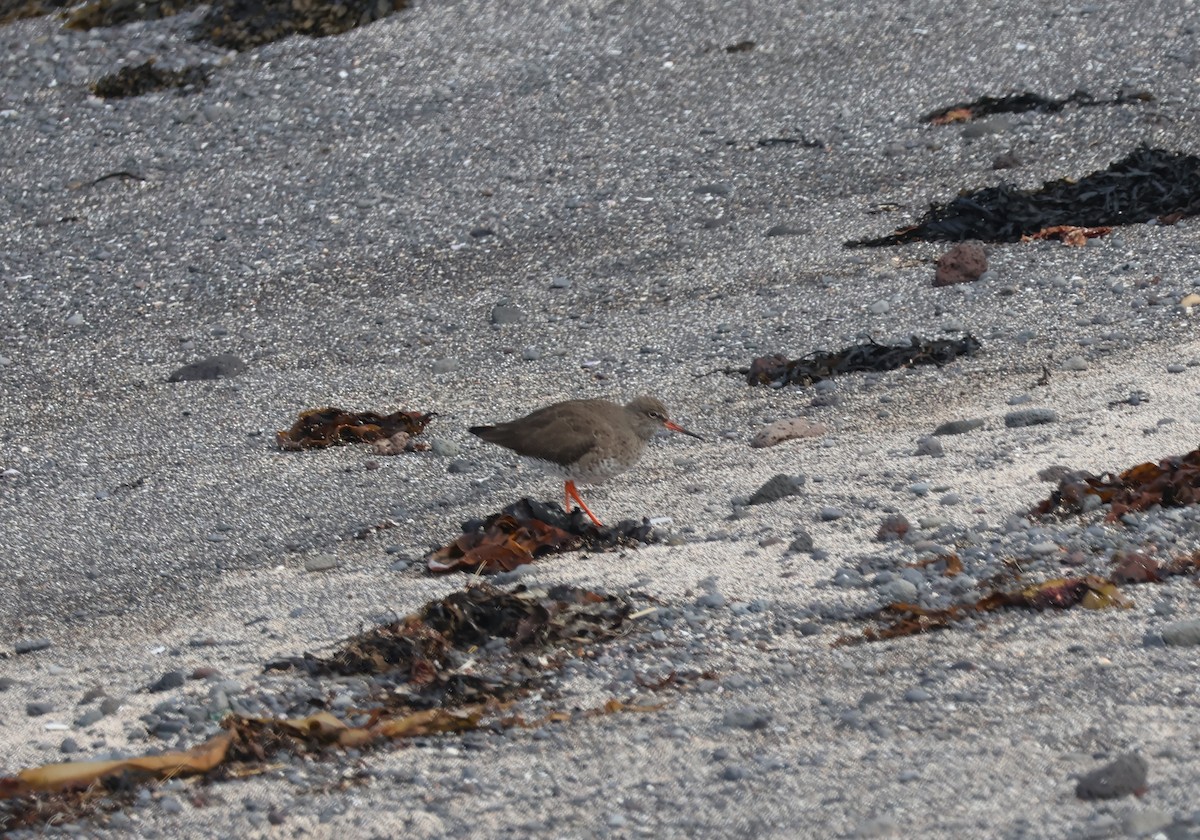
(531, 353)
(1077, 363)
(109, 705)
(459, 466)
(879, 307)
(1121, 777)
(893, 527)
(747, 717)
(502, 314)
(788, 429)
(1030, 417)
(30, 645)
(38, 708)
(320, 563)
(1007, 160)
(802, 544)
(917, 695)
(964, 263)
(1176, 368)
(171, 805)
(950, 499)
(1182, 633)
(444, 448)
(445, 366)
(224, 366)
(898, 591)
(714, 189)
(958, 427)
(930, 446)
(68, 745)
(560, 283)
(168, 681)
(830, 514)
(735, 773)
(778, 487)
(75, 320)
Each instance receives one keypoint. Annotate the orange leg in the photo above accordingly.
(573, 494)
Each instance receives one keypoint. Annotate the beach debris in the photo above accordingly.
(1172, 482)
(241, 24)
(900, 619)
(146, 77)
(528, 529)
(863, 357)
(964, 263)
(330, 426)
(1069, 234)
(458, 663)
(1025, 101)
(1145, 185)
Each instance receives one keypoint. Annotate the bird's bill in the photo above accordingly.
(675, 427)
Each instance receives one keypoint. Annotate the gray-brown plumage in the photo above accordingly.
(588, 441)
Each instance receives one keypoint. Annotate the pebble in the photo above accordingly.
(735, 773)
(747, 717)
(1182, 633)
(444, 448)
(168, 681)
(1030, 417)
(787, 429)
(445, 366)
(1075, 363)
(898, 591)
(503, 314)
(958, 427)
(38, 708)
(879, 307)
(1176, 368)
(830, 514)
(320, 563)
(802, 543)
(917, 695)
(778, 487)
(930, 446)
(69, 745)
(1121, 777)
(531, 353)
(31, 645)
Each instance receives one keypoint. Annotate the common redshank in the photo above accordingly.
(588, 441)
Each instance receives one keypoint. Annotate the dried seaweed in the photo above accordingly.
(444, 655)
(899, 620)
(145, 77)
(528, 529)
(858, 358)
(1019, 103)
(330, 426)
(242, 24)
(1172, 482)
(1147, 184)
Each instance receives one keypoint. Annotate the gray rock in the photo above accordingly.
(503, 314)
(168, 681)
(748, 717)
(320, 563)
(1182, 633)
(445, 448)
(531, 353)
(930, 446)
(830, 514)
(1121, 777)
(69, 745)
(1075, 363)
(802, 544)
(38, 708)
(1030, 417)
(898, 591)
(224, 366)
(31, 645)
(879, 307)
(445, 366)
(714, 189)
(778, 487)
(917, 695)
(958, 427)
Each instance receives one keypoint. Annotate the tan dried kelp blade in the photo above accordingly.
(321, 427)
